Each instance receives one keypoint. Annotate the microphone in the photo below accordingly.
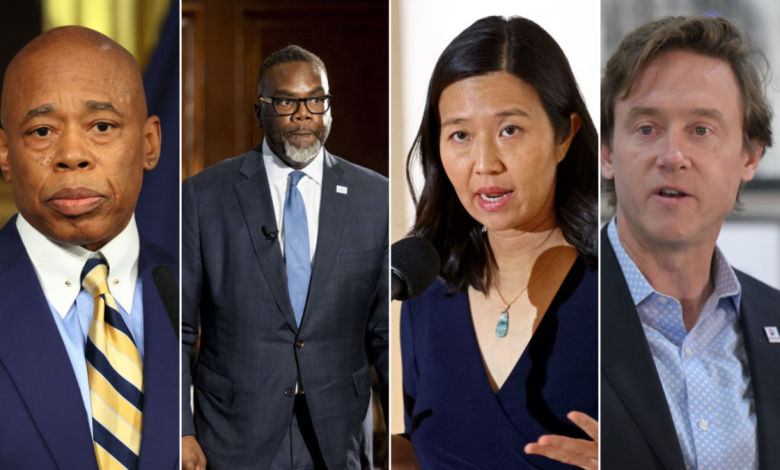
(270, 232)
(169, 293)
(414, 266)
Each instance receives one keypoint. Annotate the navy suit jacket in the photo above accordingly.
(43, 423)
(251, 350)
(637, 430)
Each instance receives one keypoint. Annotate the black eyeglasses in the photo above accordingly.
(289, 106)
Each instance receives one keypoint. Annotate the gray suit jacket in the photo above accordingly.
(233, 277)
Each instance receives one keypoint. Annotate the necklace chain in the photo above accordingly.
(530, 281)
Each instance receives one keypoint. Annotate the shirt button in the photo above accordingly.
(288, 392)
(67, 283)
(689, 350)
(299, 344)
(704, 425)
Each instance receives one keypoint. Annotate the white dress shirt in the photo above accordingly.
(309, 186)
(59, 267)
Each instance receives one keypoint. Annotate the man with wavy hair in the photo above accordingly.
(689, 378)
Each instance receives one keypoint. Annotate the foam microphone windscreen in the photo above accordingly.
(415, 265)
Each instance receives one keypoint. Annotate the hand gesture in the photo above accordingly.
(579, 452)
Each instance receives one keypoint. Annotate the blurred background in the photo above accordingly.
(149, 29)
(750, 238)
(223, 44)
(420, 32)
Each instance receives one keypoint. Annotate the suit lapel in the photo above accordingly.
(254, 197)
(333, 215)
(33, 353)
(626, 362)
(763, 358)
(160, 432)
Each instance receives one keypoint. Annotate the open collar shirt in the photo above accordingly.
(704, 372)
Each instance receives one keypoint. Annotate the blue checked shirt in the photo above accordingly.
(704, 372)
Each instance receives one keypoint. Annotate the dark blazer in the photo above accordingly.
(637, 430)
(43, 424)
(251, 348)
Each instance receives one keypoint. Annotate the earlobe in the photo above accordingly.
(576, 123)
(753, 156)
(606, 162)
(563, 147)
(152, 141)
(5, 166)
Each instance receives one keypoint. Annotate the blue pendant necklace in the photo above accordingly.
(503, 319)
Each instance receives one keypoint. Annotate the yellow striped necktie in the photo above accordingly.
(115, 377)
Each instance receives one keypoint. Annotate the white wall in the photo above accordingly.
(753, 247)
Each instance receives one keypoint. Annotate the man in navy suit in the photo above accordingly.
(689, 374)
(75, 142)
(285, 254)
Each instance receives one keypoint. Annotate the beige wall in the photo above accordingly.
(399, 213)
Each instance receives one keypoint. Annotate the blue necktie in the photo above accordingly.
(296, 246)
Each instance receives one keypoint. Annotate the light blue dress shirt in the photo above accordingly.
(74, 329)
(59, 267)
(704, 372)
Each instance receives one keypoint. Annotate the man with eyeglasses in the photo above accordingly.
(285, 254)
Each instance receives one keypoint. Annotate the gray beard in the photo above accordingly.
(302, 155)
(305, 154)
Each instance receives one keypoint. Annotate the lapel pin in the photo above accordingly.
(341, 189)
(772, 334)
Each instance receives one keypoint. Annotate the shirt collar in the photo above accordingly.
(726, 282)
(59, 267)
(277, 170)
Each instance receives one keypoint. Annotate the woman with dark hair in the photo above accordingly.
(500, 355)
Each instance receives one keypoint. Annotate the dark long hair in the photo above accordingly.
(520, 47)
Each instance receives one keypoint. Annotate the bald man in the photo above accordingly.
(88, 356)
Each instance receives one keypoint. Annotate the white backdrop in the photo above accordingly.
(753, 247)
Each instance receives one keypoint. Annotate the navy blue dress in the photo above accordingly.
(454, 418)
